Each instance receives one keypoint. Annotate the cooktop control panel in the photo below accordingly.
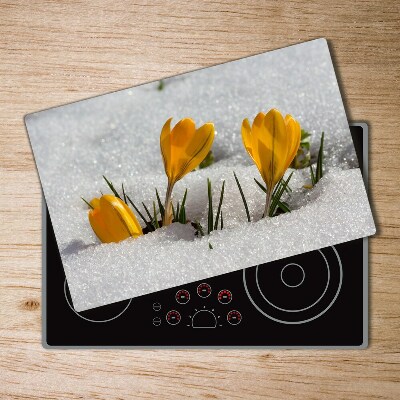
(204, 308)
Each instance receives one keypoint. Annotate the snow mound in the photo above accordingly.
(334, 211)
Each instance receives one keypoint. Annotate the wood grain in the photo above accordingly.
(54, 52)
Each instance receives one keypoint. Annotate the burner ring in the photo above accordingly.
(100, 321)
(299, 309)
(302, 278)
(319, 307)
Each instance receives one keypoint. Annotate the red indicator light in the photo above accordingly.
(225, 296)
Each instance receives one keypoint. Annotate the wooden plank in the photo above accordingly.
(55, 52)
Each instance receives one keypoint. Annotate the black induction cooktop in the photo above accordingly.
(315, 299)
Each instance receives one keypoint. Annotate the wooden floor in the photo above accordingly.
(54, 52)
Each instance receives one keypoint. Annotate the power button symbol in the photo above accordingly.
(156, 321)
(156, 306)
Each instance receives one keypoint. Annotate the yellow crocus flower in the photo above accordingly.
(183, 148)
(272, 142)
(112, 220)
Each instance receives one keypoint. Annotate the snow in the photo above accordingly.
(117, 135)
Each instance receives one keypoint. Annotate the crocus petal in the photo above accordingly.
(95, 203)
(257, 127)
(121, 223)
(251, 139)
(275, 143)
(99, 226)
(247, 137)
(135, 228)
(257, 132)
(165, 145)
(198, 148)
(294, 134)
(181, 135)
